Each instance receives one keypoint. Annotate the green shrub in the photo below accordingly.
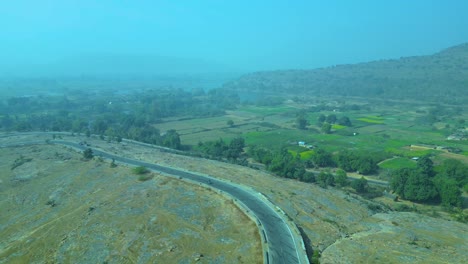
(140, 170)
(145, 177)
(403, 208)
(88, 154)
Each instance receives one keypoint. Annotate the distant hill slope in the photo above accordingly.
(442, 76)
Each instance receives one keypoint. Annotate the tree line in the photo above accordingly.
(427, 184)
(284, 164)
(132, 116)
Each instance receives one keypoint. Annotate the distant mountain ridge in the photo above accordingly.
(442, 76)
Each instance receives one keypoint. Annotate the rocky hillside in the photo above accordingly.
(442, 76)
(57, 208)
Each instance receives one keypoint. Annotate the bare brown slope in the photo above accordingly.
(58, 208)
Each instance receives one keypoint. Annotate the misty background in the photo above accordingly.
(223, 38)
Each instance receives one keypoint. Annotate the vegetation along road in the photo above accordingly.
(281, 244)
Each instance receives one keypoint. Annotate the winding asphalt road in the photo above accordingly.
(281, 244)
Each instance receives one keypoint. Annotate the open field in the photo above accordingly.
(372, 119)
(384, 128)
(397, 163)
(56, 207)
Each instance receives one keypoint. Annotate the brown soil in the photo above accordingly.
(58, 208)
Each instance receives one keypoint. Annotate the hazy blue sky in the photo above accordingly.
(242, 34)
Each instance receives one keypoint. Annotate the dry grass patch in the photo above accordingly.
(100, 214)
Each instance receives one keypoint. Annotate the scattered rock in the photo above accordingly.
(91, 209)
(54, 197)
(20, 161)
(51, 203)
(197, 256)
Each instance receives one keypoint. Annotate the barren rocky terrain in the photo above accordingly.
(344, 227)
(57, 208)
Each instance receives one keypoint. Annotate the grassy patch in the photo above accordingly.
(306, 154)
(371, 119)
(338, 127)
(397, 163)
(292, 152)
(405, 152)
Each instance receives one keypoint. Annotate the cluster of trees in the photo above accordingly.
(131, 129)
(284, 164)
(363, 162)
(281, 163)
(320, 105)
(220, 150)
(325, 178)
(425, 184)
(326, 122)
(130, 116)
(440, 113)
(350, 161)
(323, 121)
(331, 119)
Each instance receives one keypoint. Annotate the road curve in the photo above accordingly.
(280, 241)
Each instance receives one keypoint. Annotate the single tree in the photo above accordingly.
(341, 178)
(308, 177)
(172, 139)
(360, 185)
(301, 122)
(88, 154)
(326, 128)
(236, 147)
(325, 178)
(331, 119)
(321, 119)
(344, 121)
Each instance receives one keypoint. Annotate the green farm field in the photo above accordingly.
(382, 128)
(397, 163)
